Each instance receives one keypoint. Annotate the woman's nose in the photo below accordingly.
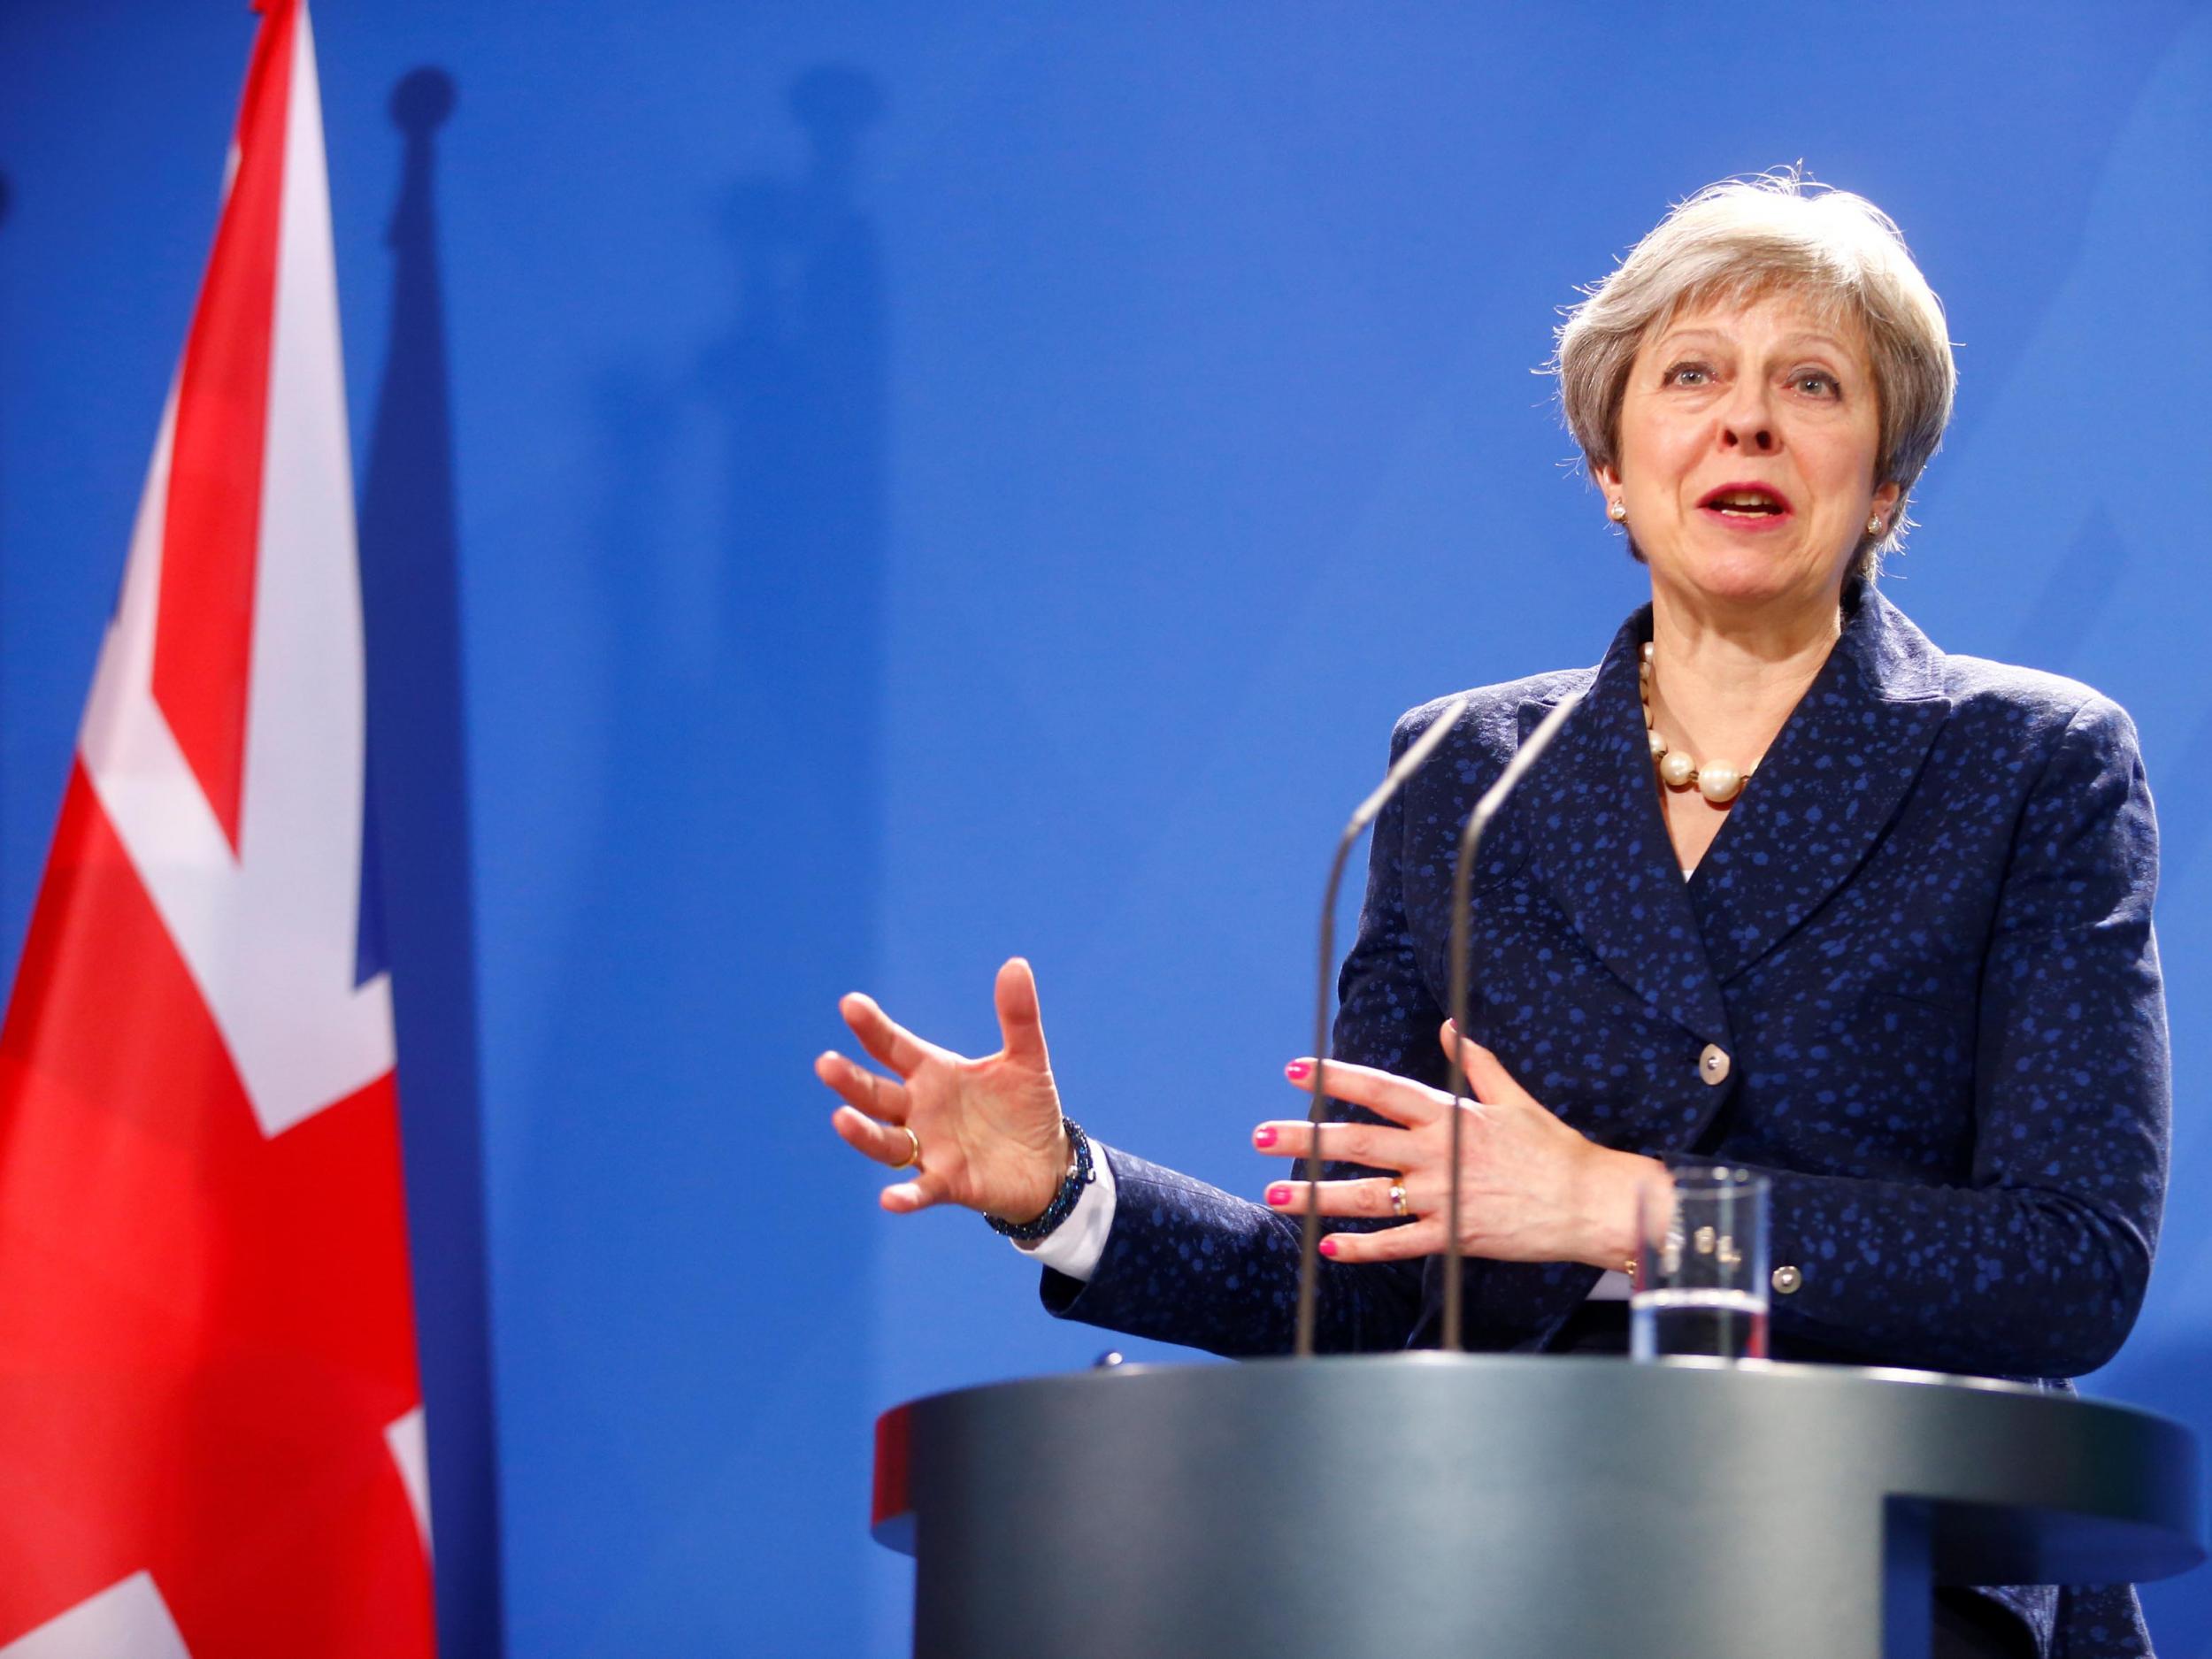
(1747, 422)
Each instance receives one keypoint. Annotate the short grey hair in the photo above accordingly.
(1741, 238)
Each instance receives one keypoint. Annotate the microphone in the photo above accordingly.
(1462, 878)
(1417, 755)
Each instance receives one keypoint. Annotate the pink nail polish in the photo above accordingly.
(1278, 1194)
(1327, 1246)
(1298, 1070)
(1263, 1136)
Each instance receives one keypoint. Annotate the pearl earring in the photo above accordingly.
(1874, 525)
(1617, 511)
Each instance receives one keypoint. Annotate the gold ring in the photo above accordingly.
(913, 1158)
(1398, 1205)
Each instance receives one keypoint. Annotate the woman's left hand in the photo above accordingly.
(1533, 1189)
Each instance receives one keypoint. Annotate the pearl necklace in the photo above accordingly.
(1716, 780)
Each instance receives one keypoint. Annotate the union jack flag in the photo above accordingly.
(212, 1438)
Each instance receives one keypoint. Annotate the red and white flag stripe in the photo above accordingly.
(210, 1430)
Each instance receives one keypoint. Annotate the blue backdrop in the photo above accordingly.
(854, 490)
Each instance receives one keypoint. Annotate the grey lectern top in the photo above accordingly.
(1507, 1508)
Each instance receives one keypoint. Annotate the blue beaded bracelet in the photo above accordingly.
(1079, 1175)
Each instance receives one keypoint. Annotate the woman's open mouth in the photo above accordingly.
(1745, 506)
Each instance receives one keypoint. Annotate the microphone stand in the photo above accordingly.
(1417, 755)
(1463, 880)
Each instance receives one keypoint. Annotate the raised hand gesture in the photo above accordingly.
(984, 1133)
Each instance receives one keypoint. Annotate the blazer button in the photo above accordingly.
(1787, 1279)
(1712, 1065)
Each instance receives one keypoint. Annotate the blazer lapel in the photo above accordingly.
(1827, 788)
(1591, 811)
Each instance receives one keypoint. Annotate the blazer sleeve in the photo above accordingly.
(2038, 1265)
(1187, 1262)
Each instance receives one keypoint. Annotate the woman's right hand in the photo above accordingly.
(988, 1131)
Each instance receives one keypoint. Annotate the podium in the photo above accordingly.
(1508, 1507)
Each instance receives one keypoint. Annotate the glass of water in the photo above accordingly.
(1701, 1266)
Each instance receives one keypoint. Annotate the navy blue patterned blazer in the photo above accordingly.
(1924, 941)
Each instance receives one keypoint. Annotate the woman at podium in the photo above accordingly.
(1794, 890)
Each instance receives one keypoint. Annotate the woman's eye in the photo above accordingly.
(1817, 384)
(1688, 374)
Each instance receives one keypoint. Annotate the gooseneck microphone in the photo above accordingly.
(1462, 945)
(1417, 755)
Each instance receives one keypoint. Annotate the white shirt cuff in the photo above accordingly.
(1074, 1246)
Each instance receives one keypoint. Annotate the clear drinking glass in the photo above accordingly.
(1702, 1267)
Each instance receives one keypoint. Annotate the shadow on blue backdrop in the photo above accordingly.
(762, 759)
(420, 823)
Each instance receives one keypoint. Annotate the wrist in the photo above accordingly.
(1615, 1180)
(1053, 1170)
(1079, 1173)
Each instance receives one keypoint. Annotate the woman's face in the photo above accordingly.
(1749, 435)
